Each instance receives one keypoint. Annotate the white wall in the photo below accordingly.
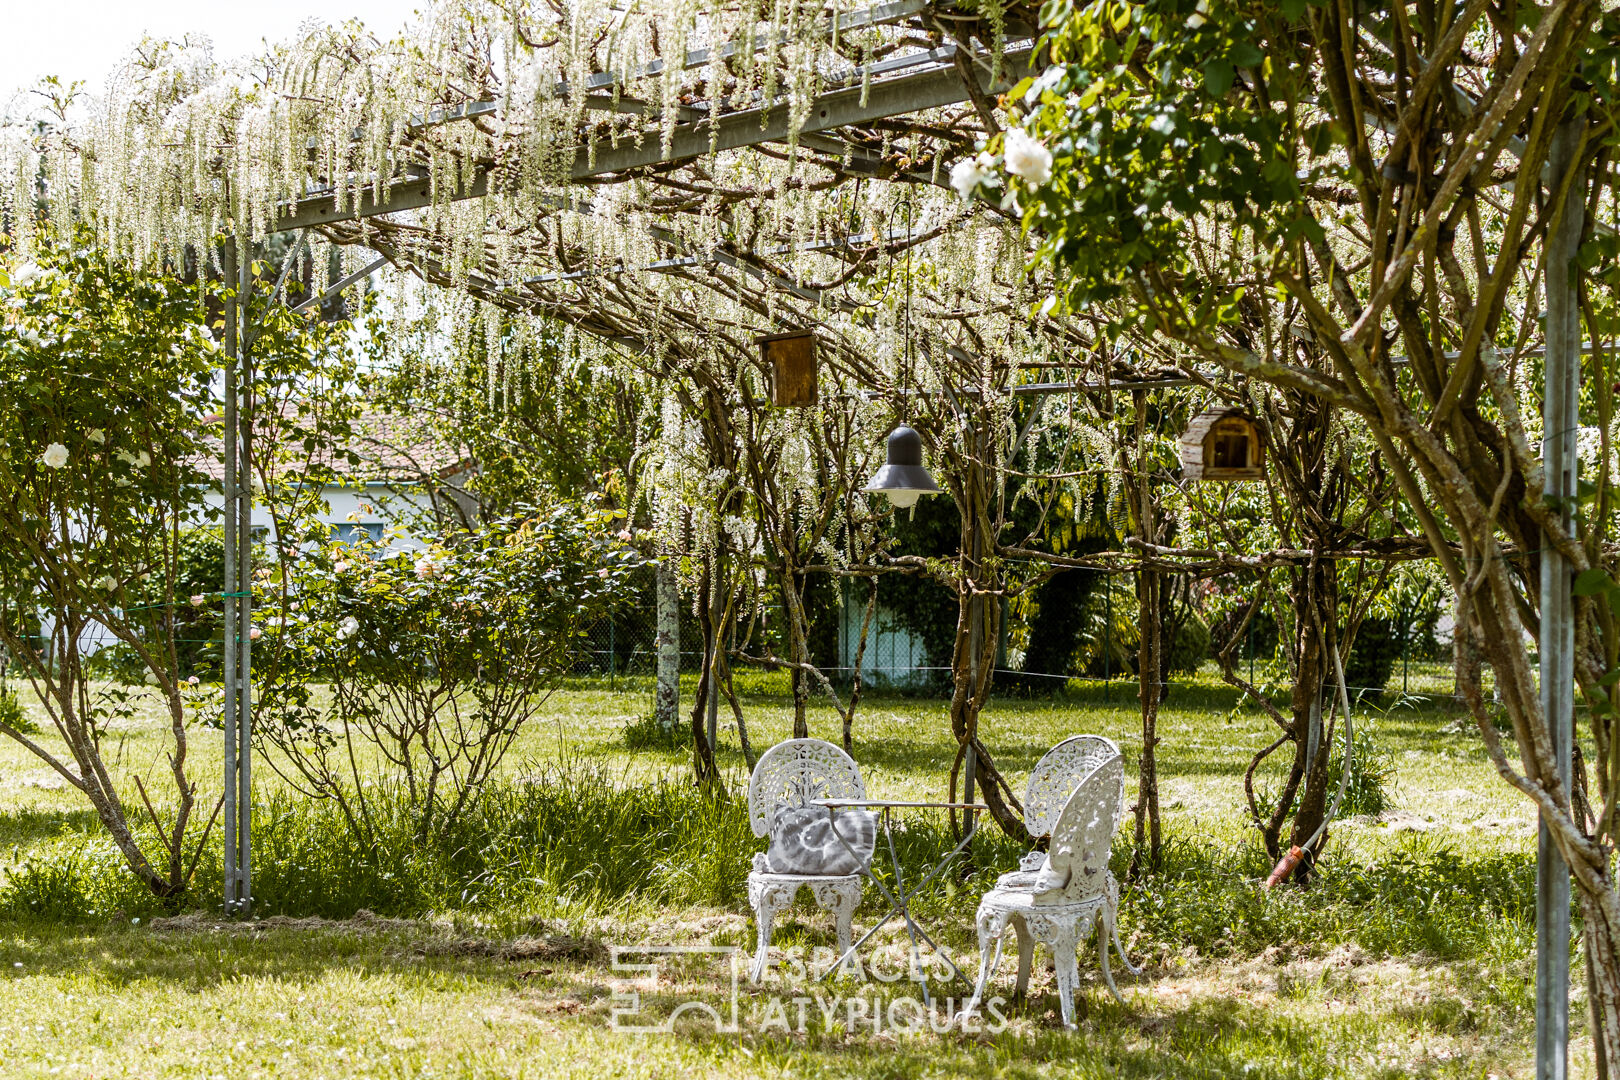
(376, 504)
(892, 653)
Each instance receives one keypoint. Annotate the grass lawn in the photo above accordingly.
(1412, 956)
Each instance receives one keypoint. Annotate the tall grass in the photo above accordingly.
(573, 841)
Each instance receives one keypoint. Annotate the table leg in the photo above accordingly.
(899, 905)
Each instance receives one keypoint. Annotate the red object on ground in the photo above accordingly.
(1286, 867)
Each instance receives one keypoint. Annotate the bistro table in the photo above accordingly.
(900, 899)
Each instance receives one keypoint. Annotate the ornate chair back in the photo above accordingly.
(1084, 833)
(796, 773)
(1054, 777)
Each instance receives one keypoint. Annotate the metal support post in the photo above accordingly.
(237, 489)
(716, 643)
(1560, 460)
(228, 443)
(244, 577)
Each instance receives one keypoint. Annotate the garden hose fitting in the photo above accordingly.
(1290, 861)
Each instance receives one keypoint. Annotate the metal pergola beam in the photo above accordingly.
(855, 103)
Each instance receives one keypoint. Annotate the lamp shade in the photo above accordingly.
(903, 478)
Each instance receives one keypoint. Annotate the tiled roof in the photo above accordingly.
(390, 448)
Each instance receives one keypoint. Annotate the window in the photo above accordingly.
(353, 534)
(1229, 446)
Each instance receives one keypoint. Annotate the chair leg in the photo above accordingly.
(841, 898)
(1113, 930)
(766, 898)
(987, 937)
(1068, 976)
(1026, 955)
(763, 916)
(1103, 934)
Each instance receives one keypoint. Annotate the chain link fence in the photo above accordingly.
(896, 659)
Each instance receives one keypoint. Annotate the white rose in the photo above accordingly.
(426, 569)
(1196, 19)
(348, 627)
(1027, 158)
(198, 599)
(966, 176)
(96, 435)
(54, 457)
(24, 274)
(107, 583)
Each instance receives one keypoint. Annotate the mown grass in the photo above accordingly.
(1409, 955)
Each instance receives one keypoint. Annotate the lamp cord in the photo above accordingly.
(905, 386)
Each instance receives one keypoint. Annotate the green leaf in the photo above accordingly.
(1218, 76)
(1246, 54)
(1592, 582)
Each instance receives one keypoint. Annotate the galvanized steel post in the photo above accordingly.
(1561, 465)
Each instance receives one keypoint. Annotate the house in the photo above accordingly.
(406, 478)
(406, 481)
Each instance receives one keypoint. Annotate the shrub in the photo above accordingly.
(648, 733)
(435, 659)
(1372, 774)
(1190, 648)
(1372, 657)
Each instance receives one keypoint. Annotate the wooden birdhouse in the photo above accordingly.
(1222, 445)
(791, 360)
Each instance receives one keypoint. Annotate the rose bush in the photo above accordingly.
(435, 660)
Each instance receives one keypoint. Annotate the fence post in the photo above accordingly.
(1108, 638)
(1251, 650)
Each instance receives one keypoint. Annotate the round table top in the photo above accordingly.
(889, 804)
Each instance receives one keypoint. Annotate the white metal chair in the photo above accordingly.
(796, 773)
(1067, 899)
(1051, 782)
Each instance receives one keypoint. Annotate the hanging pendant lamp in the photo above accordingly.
(903, 478)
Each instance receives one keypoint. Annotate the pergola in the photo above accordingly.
(762, 162)
(602, 167)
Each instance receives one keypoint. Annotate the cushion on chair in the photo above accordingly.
(803, 842)
(1050, 882)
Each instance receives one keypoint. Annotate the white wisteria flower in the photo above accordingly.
(55, 456)
(1027, 158)
(348, 628)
